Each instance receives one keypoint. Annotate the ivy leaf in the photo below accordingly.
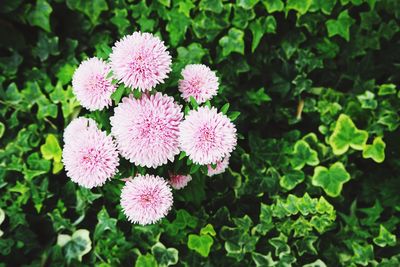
(120, 20)
(233, 42)
(367, 100)
(208, 230)
(164, 256)
(387, 89)
(45, 46)
(258, 97)
(303, 154)
(247, 4)
(211, 5)
(104, 223)
(376, 151)
(40, 15)
(147, 260)
(385, 238)
(51, 150)
(291, 179)
(317, 263)
(332, 179)
(92, 9)
(300, 6)
(347, 135)
(341, 26)
(75, 246)
(326, 6)
(263, 260)
(200, 243)
(363, 254)
(273, 5)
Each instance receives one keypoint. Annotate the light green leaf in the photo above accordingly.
(2, 217)
(347, 135)
(385, 238)
(363, 254)
(273, 5)
(208, 230)
(40, 15)
(200, 243)
(303, 154)
(387, 89)
(317, 263)
(247, 4)
(147, 260)
(263, 260)
(300, 6)
(332, 179)
(376, 151)
(367, 100)
(291, 179)
(211, 5)
(233, 42)
(51, 150)
(341, 26)
(2, 129)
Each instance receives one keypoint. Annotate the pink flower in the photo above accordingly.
(89, 155)
(146, 199)
(179, 181)
(220, 167)
(198, 81)
(140, 60)
(147, 129)
(207, 136)
(91, 86)
(78, 125)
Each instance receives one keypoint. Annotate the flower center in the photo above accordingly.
(91, 158)
(98, 84)
(206, 137)
(149, 197)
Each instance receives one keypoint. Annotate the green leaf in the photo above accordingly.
(117, 95)
(45, 46)
(75, 246)
(92, 9)
(332, 179)
(164, 256)
(291, 179)
(273, 5)
(367, 100)
(303, 154)
(51, 150)
(2, 218)
(2, 129)
(211, 5)
(40, 15)
(363, 254)
(120, 20)
(387, 89)
(347, 135)
(247, 4)
(234, 115)
(225, 108)
(147, 260)
(194, 103)
(233, 42)
(317, 263)
(208, 230)
(376, 151)
(300, 6)
(385, 238)
(104, 223)
(200, 243)
(259, 27)
(64, 74)
(263, 260)
(341, 26)
(326, 6)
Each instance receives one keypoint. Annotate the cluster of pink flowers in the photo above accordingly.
(149, 131)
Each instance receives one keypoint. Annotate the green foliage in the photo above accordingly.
(312, 86)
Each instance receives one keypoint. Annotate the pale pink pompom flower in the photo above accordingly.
(146, 199)
(179, 181)
(76, 126)
(199, 81)
(91, 86)
(90, 156)
(140, 60)
(207, 136)
(147, 129)
(220, 167)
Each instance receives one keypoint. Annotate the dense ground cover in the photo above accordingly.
(313, 181)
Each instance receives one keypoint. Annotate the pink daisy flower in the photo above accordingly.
(198, 81)
(220, 167)
(90, 156)
(179, 181)
(147, 129)
(78, 125)
(91, 86)
(140, 60)
(146, 199)
(207, 136)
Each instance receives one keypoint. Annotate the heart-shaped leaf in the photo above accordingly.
(291, 179)
(347, 135)
(164, 256)
(200, 243)
(332, 179)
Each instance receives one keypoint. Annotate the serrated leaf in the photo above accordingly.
(331, 180)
